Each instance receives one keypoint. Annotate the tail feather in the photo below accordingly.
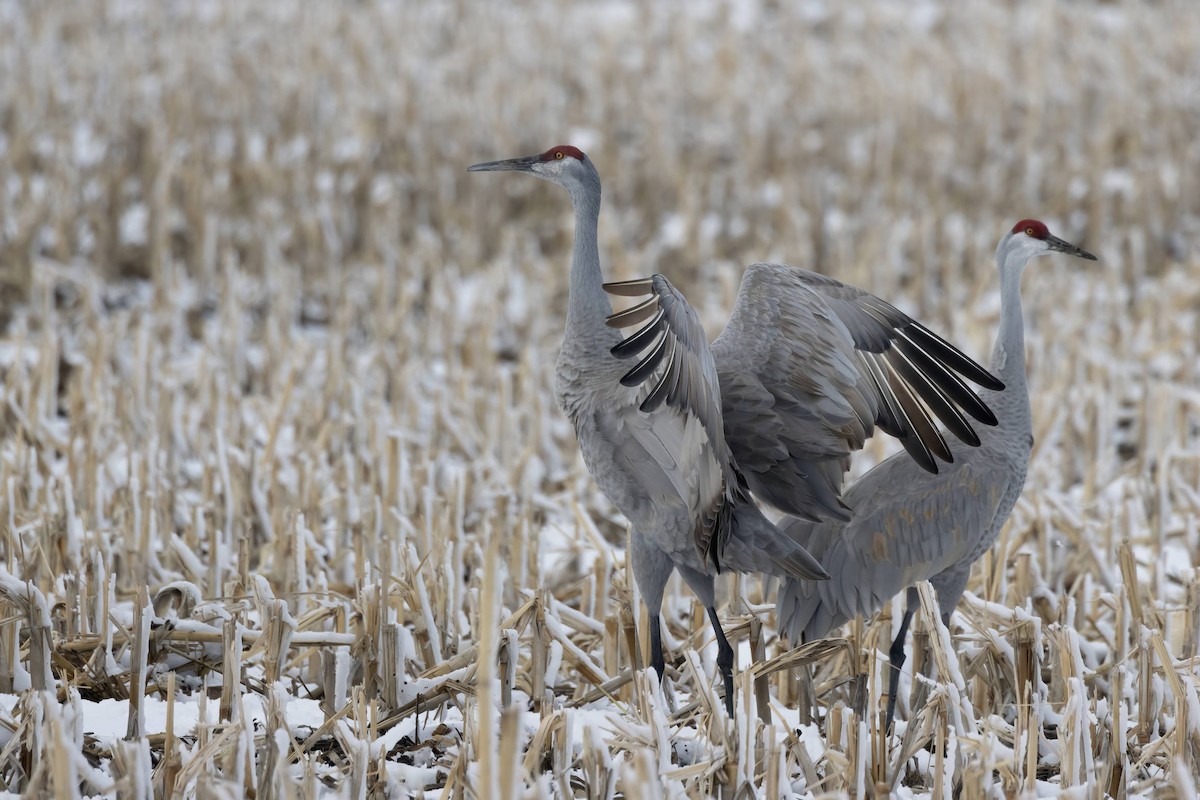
(859, 585)
(804, 608)
(803, 614)
(756, 545)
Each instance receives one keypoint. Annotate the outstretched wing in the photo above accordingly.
(931, 365)
(808, 367)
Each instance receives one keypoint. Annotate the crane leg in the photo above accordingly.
(651, 569)
(656, 649)
(702, 585)
(724, 657)
(896, 656)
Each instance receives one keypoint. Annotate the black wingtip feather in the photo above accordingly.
(637, 342)
(921, 429)
(943, 391)
(947, 381)
(936, 397)
(645, 368)
(888, 417)
(954, 358)
(919, 452)
(666, 386)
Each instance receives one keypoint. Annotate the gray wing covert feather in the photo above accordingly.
(848, 302)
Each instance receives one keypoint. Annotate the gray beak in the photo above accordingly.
(524, 164)
(1061, 246)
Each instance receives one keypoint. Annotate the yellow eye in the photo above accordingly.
(559, 154)
(1029, 231)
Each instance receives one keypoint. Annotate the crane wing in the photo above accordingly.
(675, 362)
(909, 525)
(809, 366)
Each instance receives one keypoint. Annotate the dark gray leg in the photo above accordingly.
(724, 658)
(896, 656)
(656, 649)
(702, 585)
(651, 569)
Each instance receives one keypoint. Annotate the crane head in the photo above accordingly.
(557, 164)
(1032, 238)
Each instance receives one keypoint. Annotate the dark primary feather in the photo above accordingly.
(921, 437)
(951, 385)
(632, 288)
(649, 363)
(937, 398)
(641, 340)
(634, 315)
(950, 355)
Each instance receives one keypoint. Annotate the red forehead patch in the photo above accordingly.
(563, 151)
(1032, 227)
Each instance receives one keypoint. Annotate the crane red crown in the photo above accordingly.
(1032, 227)
(562, 151)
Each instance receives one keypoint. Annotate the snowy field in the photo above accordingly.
(286, 504)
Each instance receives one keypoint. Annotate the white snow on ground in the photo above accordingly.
(107, 719)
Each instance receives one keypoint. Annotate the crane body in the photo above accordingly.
(911, 525)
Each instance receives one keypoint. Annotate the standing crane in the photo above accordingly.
(803, 373)
(911, 525)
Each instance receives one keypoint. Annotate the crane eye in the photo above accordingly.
(1029, 231)
(559, 155)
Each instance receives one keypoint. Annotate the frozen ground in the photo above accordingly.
(278, 451)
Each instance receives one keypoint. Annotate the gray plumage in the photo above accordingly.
(910, 525)
(677, 433)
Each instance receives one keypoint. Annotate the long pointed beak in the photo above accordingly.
(1068, 248)
(523, 164)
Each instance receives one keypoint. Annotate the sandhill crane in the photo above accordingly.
(910, 525)
(804, 371)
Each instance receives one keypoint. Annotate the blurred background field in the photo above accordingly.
(275, 368)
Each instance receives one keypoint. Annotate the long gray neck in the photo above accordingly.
(588, 303)
(1008, 356)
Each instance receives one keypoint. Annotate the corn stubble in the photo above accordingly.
(277, 420)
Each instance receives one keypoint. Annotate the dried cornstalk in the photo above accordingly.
(34, 608)
(138, 665)
(231, 670)
(172, 761)
(487, 741)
